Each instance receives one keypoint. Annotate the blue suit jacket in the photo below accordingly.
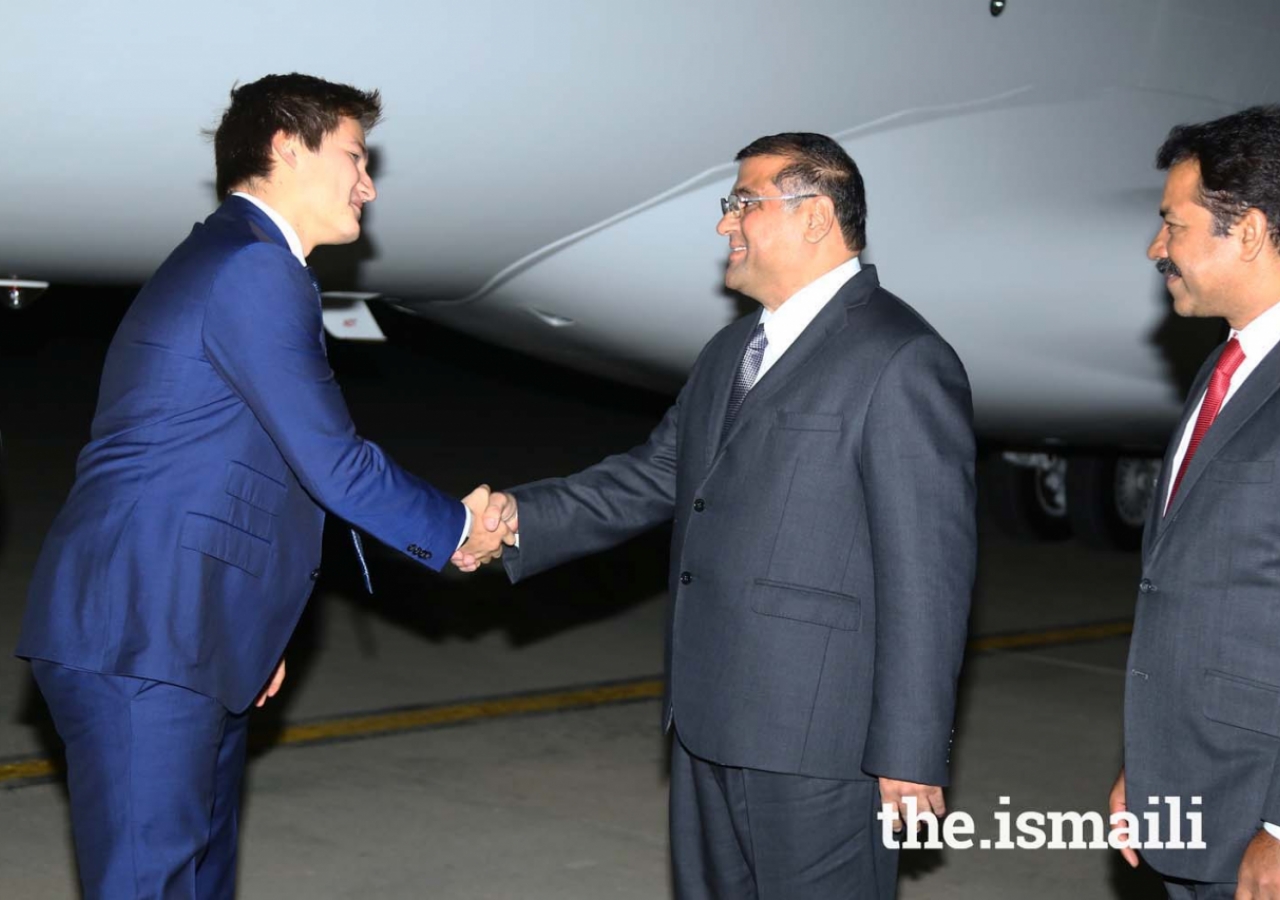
(191, 538)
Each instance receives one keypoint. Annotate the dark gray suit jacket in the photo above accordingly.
(822, 557)
(1202, 700)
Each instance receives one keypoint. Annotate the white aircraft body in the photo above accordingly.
(548, 172)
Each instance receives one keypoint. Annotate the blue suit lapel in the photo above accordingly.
(238, 210)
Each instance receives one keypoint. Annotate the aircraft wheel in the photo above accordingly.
(1108, 498)
(1028, 501)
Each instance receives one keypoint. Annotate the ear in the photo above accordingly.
(1253, 232)
(820, 221)
(285, 147)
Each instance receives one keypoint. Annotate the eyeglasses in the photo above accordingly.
(733, 204)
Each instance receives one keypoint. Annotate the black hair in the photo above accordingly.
(819, 165)
(301, 105)
(1239, 157)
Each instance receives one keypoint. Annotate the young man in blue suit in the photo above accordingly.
(173, 577)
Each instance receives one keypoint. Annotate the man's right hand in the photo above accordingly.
(502, 511)
(1117, 804)
(493, 524)
(484, 543)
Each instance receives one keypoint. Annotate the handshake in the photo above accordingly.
(494, 525)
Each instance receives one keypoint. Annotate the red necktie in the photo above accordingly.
(1219, 382)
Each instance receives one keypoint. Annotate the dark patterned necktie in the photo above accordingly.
(356, 541)
(1230, 360)
(747, 370)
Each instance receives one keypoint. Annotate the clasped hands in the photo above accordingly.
(494, 525)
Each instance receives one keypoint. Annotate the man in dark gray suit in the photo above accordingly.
(818, 465)
(1202, 700)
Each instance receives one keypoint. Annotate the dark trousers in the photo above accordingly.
(154, 773)
(744, 834)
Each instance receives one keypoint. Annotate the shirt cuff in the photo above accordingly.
(1273, 830)
(466, 528)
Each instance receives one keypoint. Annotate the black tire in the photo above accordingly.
(1108, 498)
(1016, 501)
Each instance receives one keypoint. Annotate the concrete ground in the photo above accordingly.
(567, 804)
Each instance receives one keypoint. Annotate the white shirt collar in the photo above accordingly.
(784, 324)
(290, 236)
(1260, 336)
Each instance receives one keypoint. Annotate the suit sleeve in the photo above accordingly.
(263, 334)
(918, 462)
(562, 519)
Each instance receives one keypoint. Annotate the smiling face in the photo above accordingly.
(1202, 269)
(766, 240)
(333, 185)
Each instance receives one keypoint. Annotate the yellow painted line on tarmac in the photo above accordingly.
(22, 772)
(358, 726)
(1025, 640)
(28, 769)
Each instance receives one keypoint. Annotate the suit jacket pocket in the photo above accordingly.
(797, 421)
(806, 604)
(254, 488)
(216, 538)
(1240, 471)
(1242, 702)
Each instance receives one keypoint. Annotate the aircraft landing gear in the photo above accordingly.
(1026, 495)
(1102, 500)
(1108, 498)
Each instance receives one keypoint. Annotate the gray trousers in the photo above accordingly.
(744, 834)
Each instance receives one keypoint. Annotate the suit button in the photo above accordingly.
(685, 578)
(426, 554)
(315, 573)
(699, 505)
(1147, 586)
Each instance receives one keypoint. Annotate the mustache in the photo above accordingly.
(1167, 267)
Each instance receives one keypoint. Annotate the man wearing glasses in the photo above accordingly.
(818, 465)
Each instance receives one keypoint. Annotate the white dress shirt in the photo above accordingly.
(783, 325)
(295, 247)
